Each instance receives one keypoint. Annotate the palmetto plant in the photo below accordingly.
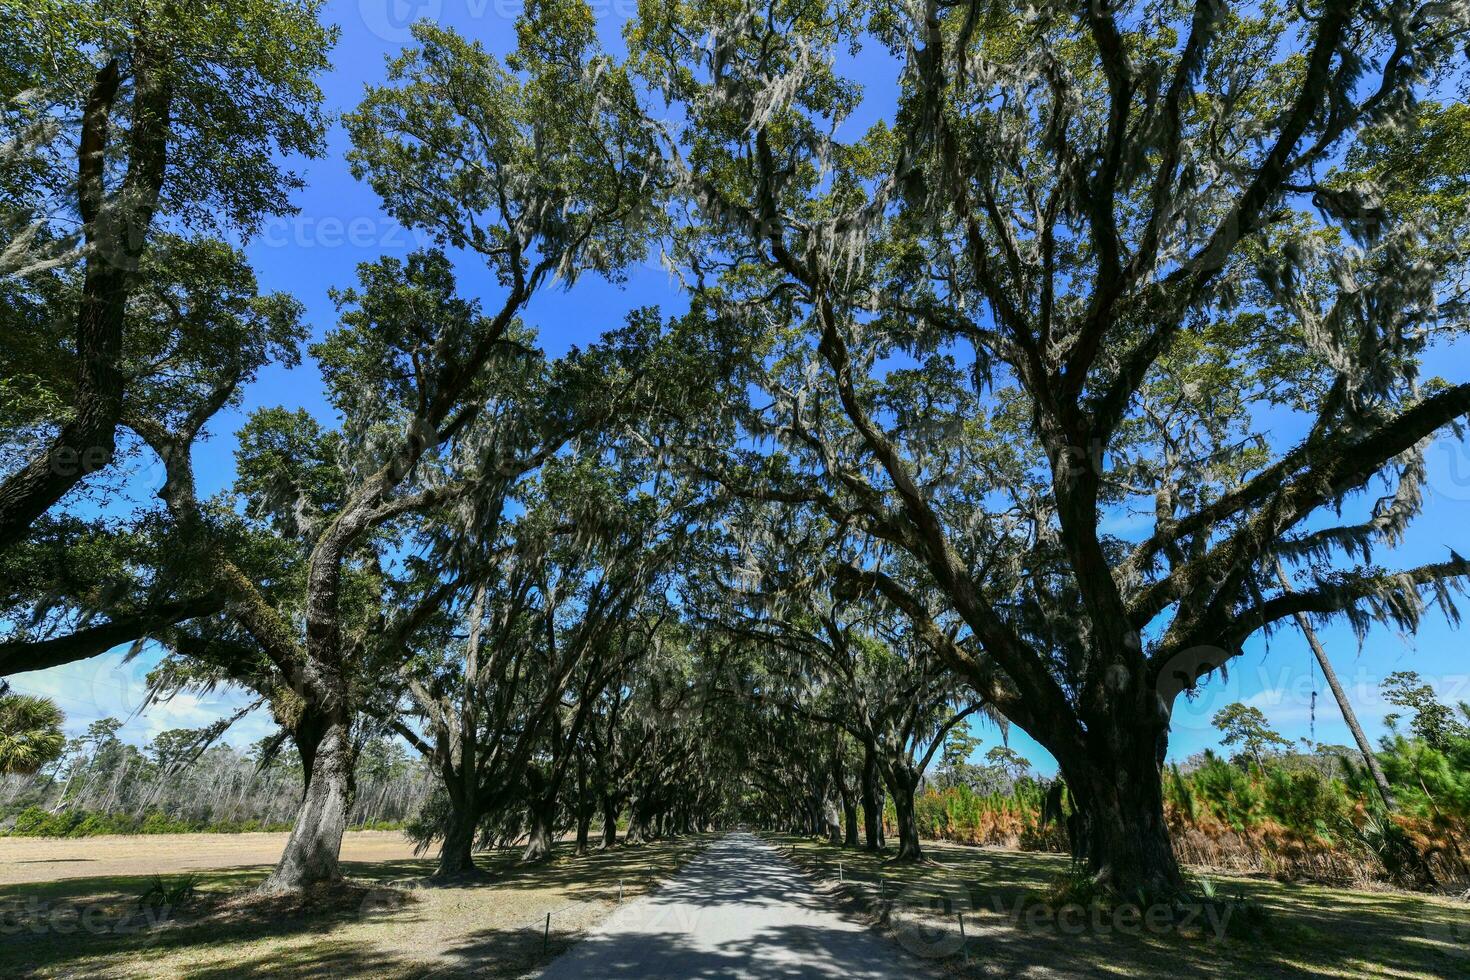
(30, 733)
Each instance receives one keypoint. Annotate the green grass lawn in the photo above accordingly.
(1305, 930)
(494, 927)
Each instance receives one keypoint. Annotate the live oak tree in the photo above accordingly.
(1148, 257)
(196, 332)
(1184, 261)
(539, 170)
(616, 636)
(783, 756)
(848, 661)
(75, 588)
(891, 694)
(673, 784)
(552, 179)
(399, 340)
(549, 598)
(119, 119)
(662, 743)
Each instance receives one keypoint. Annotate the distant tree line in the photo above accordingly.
(173, 784)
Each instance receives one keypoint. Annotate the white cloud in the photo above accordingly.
(110, 687)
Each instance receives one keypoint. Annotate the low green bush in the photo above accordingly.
(33, 821)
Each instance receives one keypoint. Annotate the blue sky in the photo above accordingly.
(340, 225)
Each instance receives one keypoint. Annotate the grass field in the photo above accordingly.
(72, 909)
(1299, 930)
(39, 859)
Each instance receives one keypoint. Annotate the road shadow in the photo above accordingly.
(1296, 930)
(712, 920)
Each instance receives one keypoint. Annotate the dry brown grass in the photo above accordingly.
(38, 859)
(492, 927)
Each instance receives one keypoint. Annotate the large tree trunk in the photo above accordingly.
(850, 820)
(902, 785)
(542, 814)
(637, 823)
(584, 807)
(457, 852)
(88, 440)
(832, 819)
(311, 854)
(872, 803)
(584, 830)
(1125, 842)
(609, 821)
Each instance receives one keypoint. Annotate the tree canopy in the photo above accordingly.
(1100, 352)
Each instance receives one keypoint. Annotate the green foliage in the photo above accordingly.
(30, 734)
(1294, 805)
(1179, 795)
(1433, 721)
(1387, 841)
(200, 323)
(1304, 799)
(1013, 817)
(1245, 726)
(1226, 791)
(1428, 781)
(955, 768)
(543, 164)
(178, 783)
(37, 822)
(1421, 169)
(286, 468)
(240, 97)
(169, 894)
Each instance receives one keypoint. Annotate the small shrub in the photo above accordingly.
(169, 895)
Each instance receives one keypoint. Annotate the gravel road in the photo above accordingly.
(739, 910)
